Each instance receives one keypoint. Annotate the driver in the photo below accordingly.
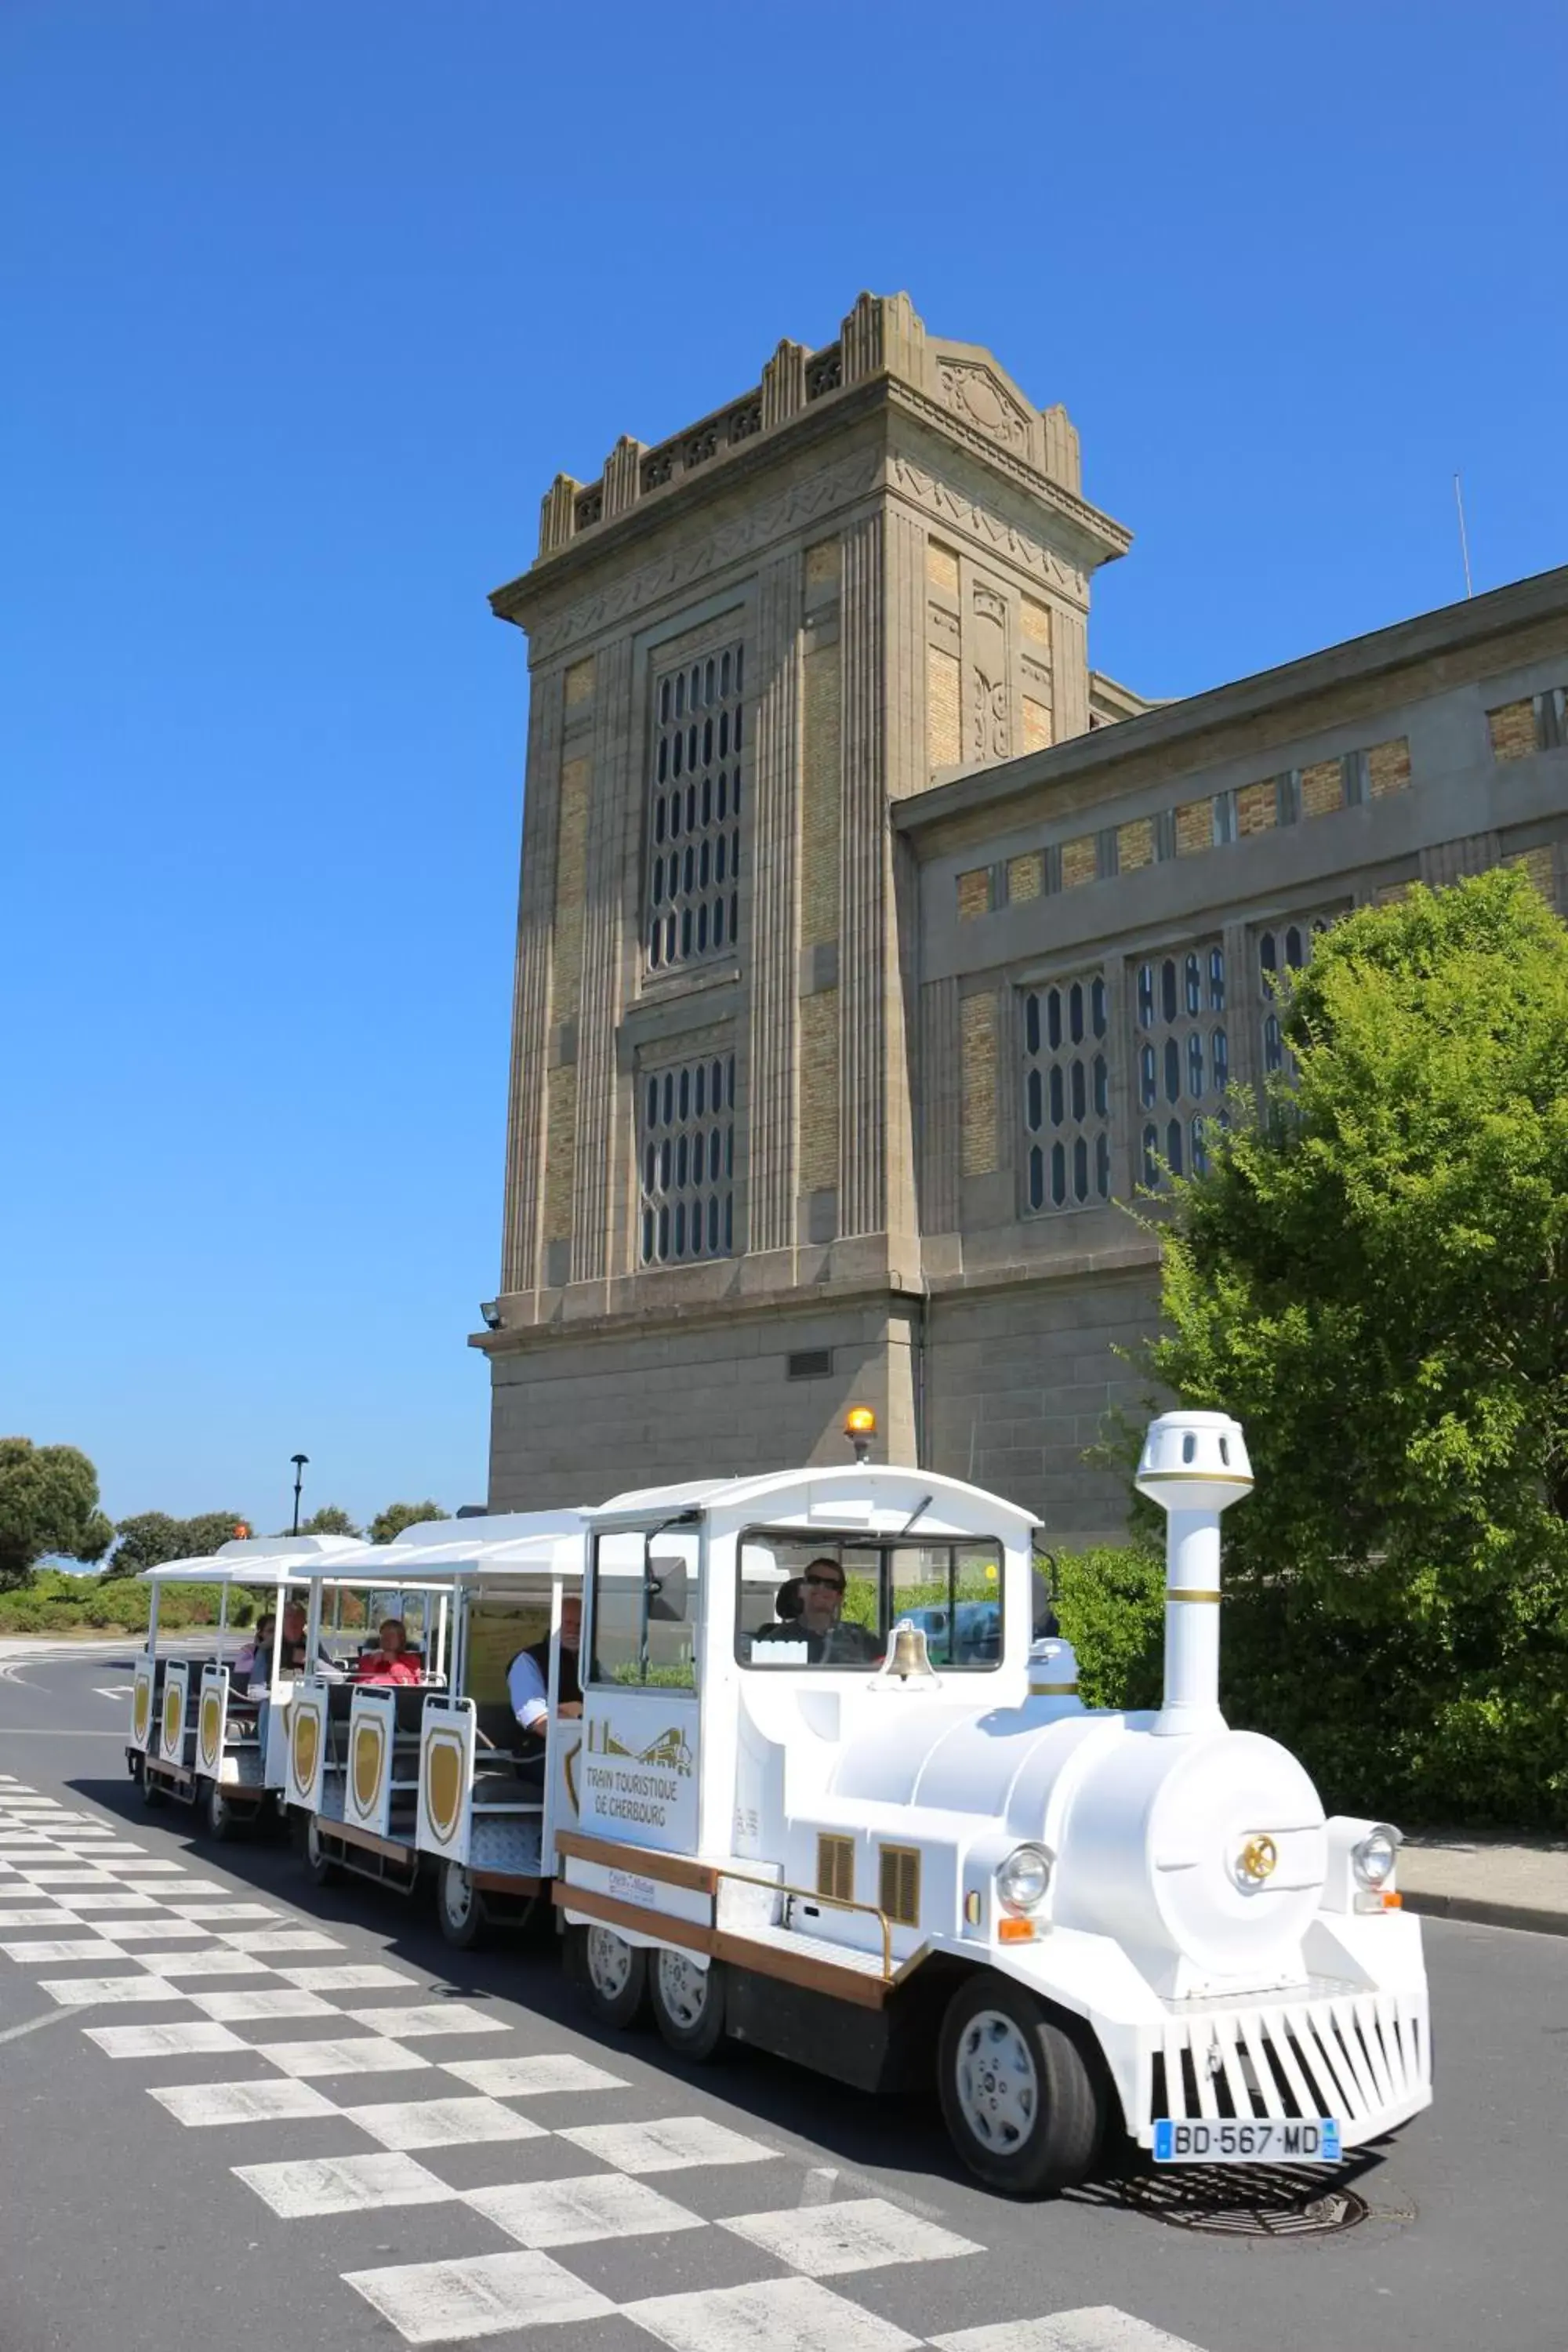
(527, 1686)
(829, 1642)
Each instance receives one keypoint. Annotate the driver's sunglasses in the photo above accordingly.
(824, 1583)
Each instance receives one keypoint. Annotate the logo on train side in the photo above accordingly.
(444, 1759)
(304, 1749)
(370, 1751)
(174, 1714)
(211, 1721)
(141, 1707)
(671, 1751)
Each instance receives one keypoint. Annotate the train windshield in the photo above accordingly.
(824, 1601)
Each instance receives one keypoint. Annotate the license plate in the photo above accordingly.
(1312, 2140)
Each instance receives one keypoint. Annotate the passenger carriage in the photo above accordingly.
(398, 1784)
(916, 1851)
(194, 1737)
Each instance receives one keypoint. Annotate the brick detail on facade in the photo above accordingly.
(579, 683)
(1257, 808)
(1036, 725)
(1322, 788)
(1081, 861)
(1035, 620)
(977, 1022)
(1025, 877)
(560, 1152)
(822, 754)
(819, 1127)
(942, 566)
(570, 889)
(1513, 730)
(823, 564)
(944, 725)
(974, 892)
(1388, 768)
(1135, 845)
(1539, 866)
(1195, 827)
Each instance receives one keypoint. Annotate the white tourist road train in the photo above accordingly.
(832, 1792)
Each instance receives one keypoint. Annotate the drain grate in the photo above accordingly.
(1271, 2202)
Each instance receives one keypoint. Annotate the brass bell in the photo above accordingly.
(907, 1657)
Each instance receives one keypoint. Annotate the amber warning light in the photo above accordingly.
(860, 1428)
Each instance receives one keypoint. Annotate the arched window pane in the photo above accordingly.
(1032, 1023)
(1081, 1169)
(1099, 1001)
(1036, 1177)
(1148, 1081)
(1173, 1146)
(1172, 1070)
(1168, 988)
(1074, 1012)
(1036, 1111)
(1057, 1107)
(1059, 1174)
(1195, 986)
(1195, 1063)
(1053, 1018)
(1079, 1091)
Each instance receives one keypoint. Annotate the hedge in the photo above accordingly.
(57, 1603)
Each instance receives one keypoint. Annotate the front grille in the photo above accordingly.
(1354, 2057)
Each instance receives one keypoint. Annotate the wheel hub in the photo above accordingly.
(998, 2087)
(683, 1988)
(609, 1962)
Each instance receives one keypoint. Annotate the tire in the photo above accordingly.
(218, 1818)
(610, 1974)
(135, 1762)
(153, 1792)
(1021, 2106)
(459, 1906)
(688, 2003)
(324, 1870)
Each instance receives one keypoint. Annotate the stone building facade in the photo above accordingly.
(871, 946)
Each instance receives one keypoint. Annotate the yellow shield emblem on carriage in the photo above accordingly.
(174, 1714)
(370, 1747)
(443, 1782)
(211, 1724)
(303, 1750)
(141, 1709)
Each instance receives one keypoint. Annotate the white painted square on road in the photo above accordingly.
(69, 1948)
(280, 1939)
(203, 2105)
(342, 2184)
(82, 1992)
(442, 2303)
(114, 1898)
(443, 2123)
(426, 2018)
(217, 1914)
(162, 2041)
(370, 2055)
(576, 2213)
(100, 1848)
(238, 2008)
(139, 1866)
(1098, 2327)
(28, 1917)
(207, 1961)
(50, 1876)
(351, 1977)
(863, 2233)
(669, 2145)
(530, 2078)
(158, 1931)
(787, 2315)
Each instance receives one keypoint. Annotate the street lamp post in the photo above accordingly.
(299, 1462)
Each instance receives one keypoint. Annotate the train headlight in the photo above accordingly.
(1022, 1880)
(1373, 1859)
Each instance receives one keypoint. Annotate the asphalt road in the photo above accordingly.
(124, 2226)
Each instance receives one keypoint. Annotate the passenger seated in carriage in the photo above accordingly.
(528, 1690)
(391, 1659)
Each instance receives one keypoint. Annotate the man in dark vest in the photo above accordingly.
(528, 1688)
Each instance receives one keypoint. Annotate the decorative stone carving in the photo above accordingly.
(557, 516)
(681, 566)
(883, 331)
(974, 393)
(989, 725)
(951, 506)
(621, 483)
(783, 383)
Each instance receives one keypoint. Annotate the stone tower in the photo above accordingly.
(866, 574)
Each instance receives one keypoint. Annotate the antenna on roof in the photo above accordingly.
(1464, 542)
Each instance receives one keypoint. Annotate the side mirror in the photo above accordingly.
(667, 1591)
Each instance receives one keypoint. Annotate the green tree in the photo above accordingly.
(398, 1516)
(209, 1530)
(145, 1541)
(331, 1520)
(1374, 1277)
(49, 1503)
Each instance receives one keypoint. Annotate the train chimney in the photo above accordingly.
(1194, 1466)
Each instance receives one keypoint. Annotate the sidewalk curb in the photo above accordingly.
(1482, 1914)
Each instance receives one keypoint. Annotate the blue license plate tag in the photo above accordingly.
(1315, 2139)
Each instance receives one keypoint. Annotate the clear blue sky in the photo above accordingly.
(305, 302)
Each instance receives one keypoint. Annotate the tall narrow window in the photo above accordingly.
(696, 810)
(1183, 1058)
(1067, 1093)
(686, 1156)
(1284, 947)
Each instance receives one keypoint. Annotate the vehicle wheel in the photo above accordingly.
(610, 1973)
(687, 2003)
(1021, 2107)
(219, 1817)
(459, 1906)
(324, 1871)
(153, 1792)
(134, 1762)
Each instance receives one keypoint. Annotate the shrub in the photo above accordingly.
(1110, 1604)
